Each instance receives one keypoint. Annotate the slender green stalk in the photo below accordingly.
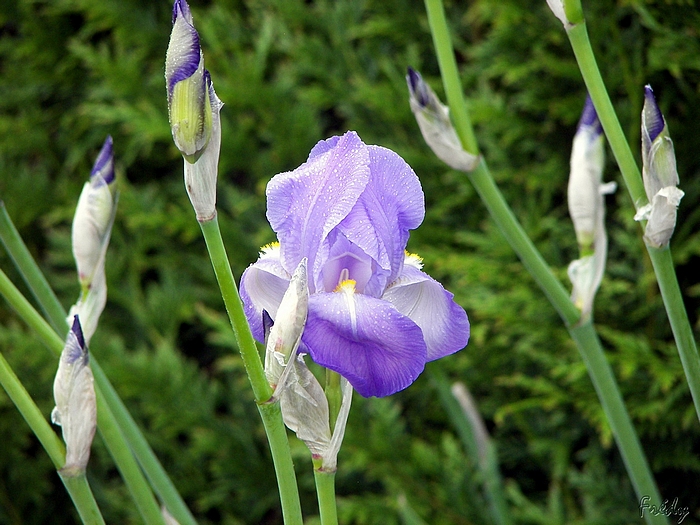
(119, 449)
(586, 339)
(325, 491)
(56, 315)
(334, 395)
(105, 419)
(661, 259)
(17, 250)
(588, 345)
(32, 415)
(77, 486)
(270, 412)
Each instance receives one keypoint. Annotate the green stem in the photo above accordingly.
(126, 463)
(582, 332)
(105, 419)
(578, 36)
(675, 310)
(586, 339)
(660, 258)
(77, 486)
(79, 490)
(32, 415)
(23, 260)
(56, 315)
(325, 491)
(269, 412)
(334, 395)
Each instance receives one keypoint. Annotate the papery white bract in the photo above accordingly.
(74, 394)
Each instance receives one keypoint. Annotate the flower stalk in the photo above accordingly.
(583, 334)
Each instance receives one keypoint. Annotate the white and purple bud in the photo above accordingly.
(587, 208)
(285, 334)
(76, 407)
(92, 227)
(94, 216)
(434, 122)
(193, 110)
(660, 175)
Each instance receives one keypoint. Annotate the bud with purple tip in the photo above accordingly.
(434, 122)
(76, 408)
(659, 174)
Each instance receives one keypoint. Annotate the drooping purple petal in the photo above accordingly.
(263, 285)
(184, 52)
(421, 298)
(304, 205)
(366, 340)
(104, 164)
(391, 205)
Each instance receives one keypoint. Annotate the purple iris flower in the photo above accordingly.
(374, 317)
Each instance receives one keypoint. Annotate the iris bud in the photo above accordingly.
(660, 175)
(76, 408)
(435, 124)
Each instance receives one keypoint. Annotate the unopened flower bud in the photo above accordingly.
(92, 226)
(435, 125)
(587, 208)
(74, 393)
(660, 175)
(193, 109)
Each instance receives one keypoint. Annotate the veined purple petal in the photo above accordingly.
(347, 261)
(304, 205)
(589, 117)
(421, 298)
(391, 205)
(653, 120)
(104, 164)
(184, 52)
(263, 285)
(366, 340)
(323, 146)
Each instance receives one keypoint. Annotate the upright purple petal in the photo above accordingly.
(366, 340)
(391, 205)
(652, 118)
(304, 205)
(589, 117)
(421, 298)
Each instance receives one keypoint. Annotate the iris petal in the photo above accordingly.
(304, 205)
(391, 204)
(263, 285)
(421, 298)
(366, 340)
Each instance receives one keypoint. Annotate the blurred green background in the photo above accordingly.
(291, 73)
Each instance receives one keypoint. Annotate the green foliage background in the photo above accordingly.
(293, 72)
